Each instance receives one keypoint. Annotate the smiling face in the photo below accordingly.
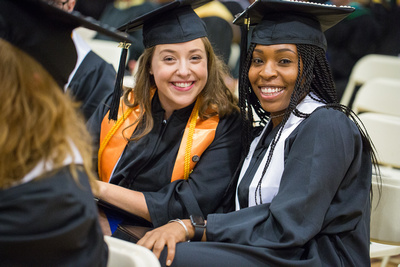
(180, 73)
(272, 75)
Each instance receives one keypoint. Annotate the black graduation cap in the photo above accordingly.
(174, 22)
(287, 21)
(44, 32)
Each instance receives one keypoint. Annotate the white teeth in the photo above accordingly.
(271, 90)
(183, 85)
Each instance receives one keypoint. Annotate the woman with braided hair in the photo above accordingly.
(302, 196)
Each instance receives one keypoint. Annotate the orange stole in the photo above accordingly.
(112, 142)
(203, 136)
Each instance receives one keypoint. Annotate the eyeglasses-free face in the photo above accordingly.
(180, 73)
(272, 75)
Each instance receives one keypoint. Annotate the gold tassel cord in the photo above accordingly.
(109, 135)
(189, 141)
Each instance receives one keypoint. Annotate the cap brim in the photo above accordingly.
(327, 15)
(94, 25)
(137, 23)
(76, 19)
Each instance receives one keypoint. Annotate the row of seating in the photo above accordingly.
(367, 68)
(373, 92)
(384, 130)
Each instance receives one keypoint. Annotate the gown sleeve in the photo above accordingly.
(93, 80)
(324, 190)
(208, 181)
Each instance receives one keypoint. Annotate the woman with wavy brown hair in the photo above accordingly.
(176, 142)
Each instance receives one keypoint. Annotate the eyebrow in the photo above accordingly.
(277, 51)
(174, 51)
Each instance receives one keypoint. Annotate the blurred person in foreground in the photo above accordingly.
(47, 213)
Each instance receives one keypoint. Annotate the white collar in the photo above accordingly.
(82, 49)
(43, 167)
(272, 177)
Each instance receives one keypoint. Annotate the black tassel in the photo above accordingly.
(243, 94)
(243, 45)
(113, 115)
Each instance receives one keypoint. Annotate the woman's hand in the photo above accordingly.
(167, 235)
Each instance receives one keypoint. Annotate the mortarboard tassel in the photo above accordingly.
(113, 115)
(243, 44)
(243, 94)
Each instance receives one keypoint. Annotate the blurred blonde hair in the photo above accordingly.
(38, 121)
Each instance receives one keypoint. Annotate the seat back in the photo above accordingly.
(369, 67)
(385, 215)
(127, 254)
(379, 95)
(384, 131)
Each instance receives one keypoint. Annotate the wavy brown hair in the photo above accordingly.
(215, 95)
(38, 121)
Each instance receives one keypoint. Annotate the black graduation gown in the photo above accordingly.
(147, 165)
(320, 216)
(93, 81)
(52, 221)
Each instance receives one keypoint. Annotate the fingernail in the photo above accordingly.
(168, 262)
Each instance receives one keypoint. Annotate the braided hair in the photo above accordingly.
(316, 78)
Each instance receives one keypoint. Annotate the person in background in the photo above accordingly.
(354, 37)
(387, 14)
(92, 8)
(220, 31)
(93, 78)
(235, 7)
(176, 142)
(243, 3)
(47, 213)
(121, 12)
(302, 197)
(218, 20)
